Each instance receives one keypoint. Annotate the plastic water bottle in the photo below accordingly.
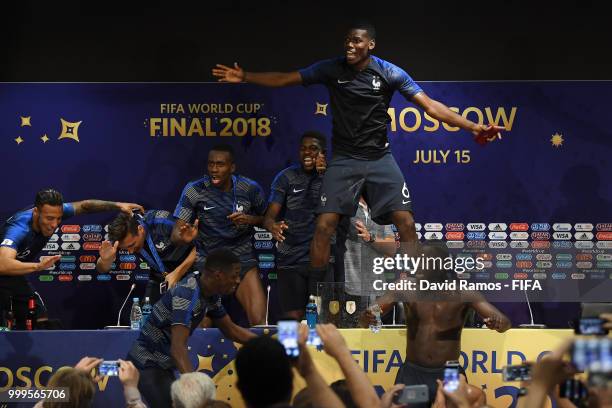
(146, 311)
(135, 314)
(311, 313)
(375, 309)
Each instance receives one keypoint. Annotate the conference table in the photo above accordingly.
(28, 359)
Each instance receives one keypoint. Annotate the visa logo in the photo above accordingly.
(562, 235)
(476, 226)
(498, 244)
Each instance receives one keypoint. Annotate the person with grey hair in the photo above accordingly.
(192, 390)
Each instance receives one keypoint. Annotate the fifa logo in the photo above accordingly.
(375, 83)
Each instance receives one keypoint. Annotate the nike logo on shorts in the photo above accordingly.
(208, 208)
(405, 201)
(297, 191)
(343, 82)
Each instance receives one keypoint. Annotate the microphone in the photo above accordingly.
(266, 325)
(531, 325)
(267, 304)
(118, 326)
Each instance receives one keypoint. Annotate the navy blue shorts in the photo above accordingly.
(380, 181)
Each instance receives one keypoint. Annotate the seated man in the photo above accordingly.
(162, 345)
(22, 238)
(150, 238)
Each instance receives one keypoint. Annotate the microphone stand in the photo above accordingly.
(118, 326)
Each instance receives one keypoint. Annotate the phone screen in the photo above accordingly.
(594, 354)
(288, 337)
(108, 368)
(451, 378)
(590, 326)
(517, 373)
(163, 287)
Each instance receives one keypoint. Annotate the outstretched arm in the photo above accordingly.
(441, 112)
(492, 317)
(273, 79)
(11, 266)
(94, 206)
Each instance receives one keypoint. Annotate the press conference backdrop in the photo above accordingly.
(545, 181)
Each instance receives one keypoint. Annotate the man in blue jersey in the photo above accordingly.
(149, 237)
(227, 206)
(25, 234)
(294, 197)
(360, 86)
(161, 347)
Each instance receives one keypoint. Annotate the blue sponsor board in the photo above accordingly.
(127, 258)
(559, 275)
(562, 244)
(92, 228)
(523, 257)
(266, 265)
(503, 264)
(476, 235)
(103, 277)
(67, 266)
(564, 264)
(68, 259)
(264, 245)
(141, 276)
(266, 257)
(540, 226)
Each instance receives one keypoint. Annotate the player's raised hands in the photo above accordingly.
(223, 73)
(277, 230)
(47, 262)
(484, 134)
(188, 232)
(108, 251)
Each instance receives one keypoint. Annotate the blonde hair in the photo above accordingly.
(79, 384)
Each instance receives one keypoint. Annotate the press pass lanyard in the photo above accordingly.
(156, 262)
(235, 204)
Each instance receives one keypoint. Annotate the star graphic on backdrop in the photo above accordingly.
(44, 138)
(484, 387)
(321, 109)
(25, 121)
(19, 140)
(205, 363)
(557, 140)
(70, 130)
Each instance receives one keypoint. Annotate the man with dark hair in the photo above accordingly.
(293, 199)
(276, 386)
(149, 236)
(25, 234)
(227, 207)
(162, 345)
(361, 87)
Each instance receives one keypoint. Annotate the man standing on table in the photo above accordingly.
(162, 345)
(25, 234)
(361, 86)
(227, 207)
